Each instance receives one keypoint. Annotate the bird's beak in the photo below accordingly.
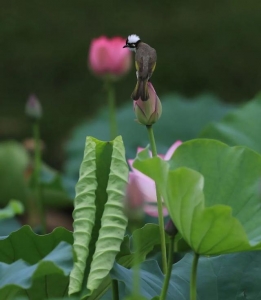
(125, 46)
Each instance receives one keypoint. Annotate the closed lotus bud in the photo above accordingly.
(170, 228)
(107, 58)
(33, 108)
(148, 112)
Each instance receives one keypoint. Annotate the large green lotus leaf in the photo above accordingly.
(49, 276)
(13, 163)
(35, 263)
(231, 277)
(7, 226)
(239, 127)
(99, 222)
(217, 213)
(208, 230)
(26, 245)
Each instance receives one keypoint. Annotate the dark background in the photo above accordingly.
(202, 46)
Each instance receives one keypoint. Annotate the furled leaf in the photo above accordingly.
(99, 218)
(84, 214)
(113, 222)
(239, 127)
(14, 207)
(217, 213)
(149, 238)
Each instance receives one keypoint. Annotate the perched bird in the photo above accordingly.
(145, 62)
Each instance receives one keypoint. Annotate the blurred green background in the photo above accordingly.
(211, 46)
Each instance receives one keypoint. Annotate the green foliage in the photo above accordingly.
(84, 214)
(146, 238)
(31, 265)
(239, 127)
(183, 119)
(217, 213)
(9, 225)
(14, 184)
(13, 162)
(230, 277)
(54, 188)
(14, 207)
(11, 247)
(99, 222)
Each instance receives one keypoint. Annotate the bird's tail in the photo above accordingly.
(141, 91)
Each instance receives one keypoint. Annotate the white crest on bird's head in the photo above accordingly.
(132, 42)
(133, 38)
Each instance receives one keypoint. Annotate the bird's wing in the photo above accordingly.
(152, 63)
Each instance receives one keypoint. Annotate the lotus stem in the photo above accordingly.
(169, 269)
(115, 290)
(159, 204)
(36, 175)
(112, 109)
(193, 278)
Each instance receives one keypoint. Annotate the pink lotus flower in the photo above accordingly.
(108, 58)
(142, 186)
(148, 112)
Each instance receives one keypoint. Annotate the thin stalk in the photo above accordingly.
(136, 266)
(115, 290)
(169, 269)
(193, 278)
(159, 204)
(112, 109)
(37, 169)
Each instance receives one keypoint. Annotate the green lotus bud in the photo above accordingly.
(33, 108)
(148, 112)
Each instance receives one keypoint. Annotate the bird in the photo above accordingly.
(145, 63)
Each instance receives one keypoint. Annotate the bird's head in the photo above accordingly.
(132, 42)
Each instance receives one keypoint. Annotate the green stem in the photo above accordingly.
(136, 266)
(159, 203)
(37, 170)
(112, 109)
(193, 278)
(115, 290)
(169, 269)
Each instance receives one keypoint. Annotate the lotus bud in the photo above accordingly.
(148, 112)
(33, 108)
(170, 228)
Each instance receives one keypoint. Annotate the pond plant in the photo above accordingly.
(203, 194)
